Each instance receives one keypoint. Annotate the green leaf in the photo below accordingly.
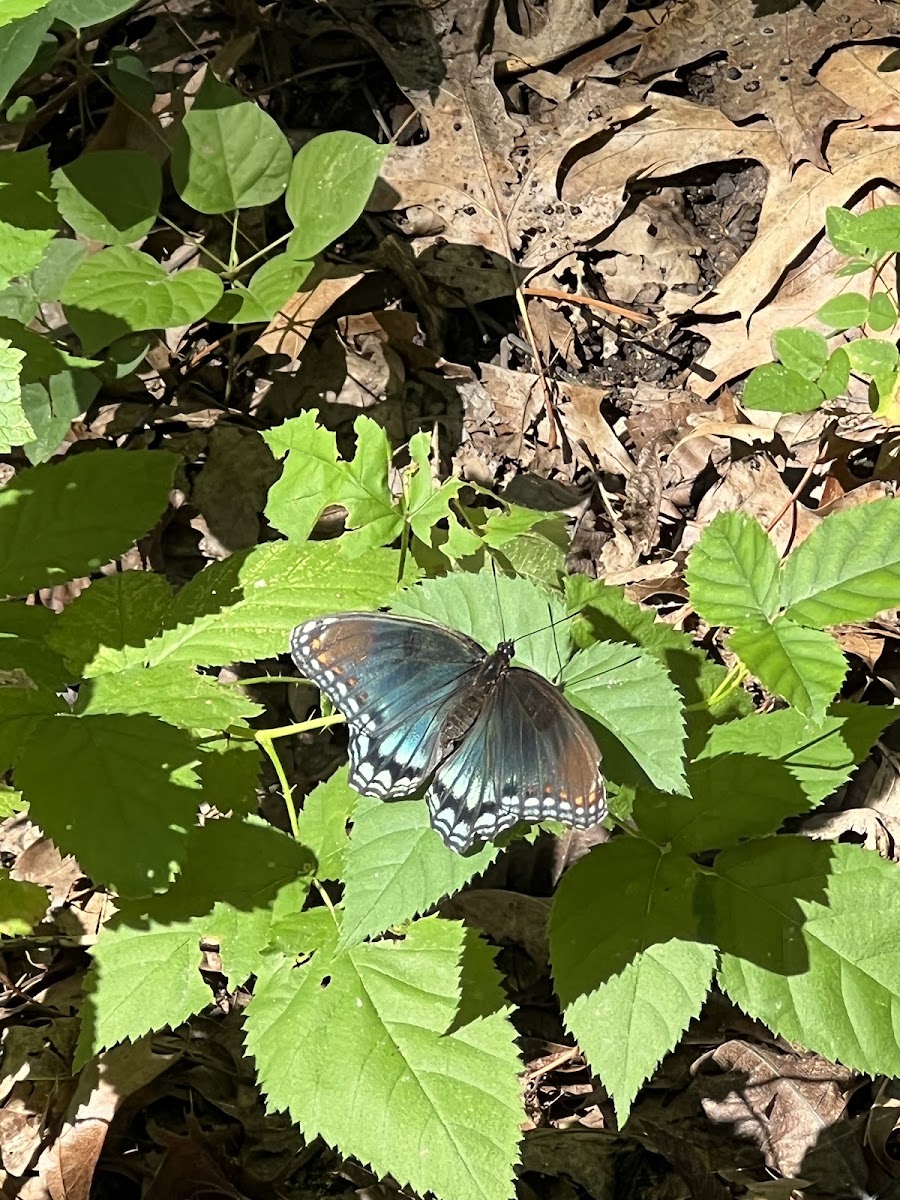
(22, 906)
(879, 230)
(801, 350)
(14, 427)
(803, 666)
(331, 179)
(123, 804)
(245, 607)
(882, 312)
(229, 154)
(631, 695)
(274, 283)
(361, 1048)
(104, 629)
(58, 522)
(809, 934)
(870, 356)
(110, 196)
(398, 867)
(24, 631)
(848, 569)
(428, 505)
(51, 413)
(835, 379)
(81, 14)
(845, 312)
(628, 986)
(238, 877)
(841, 227)
(733, 572)
(28, 218)
(11, 802)
(775, 388)
(323, 823)
(174, 692)
(130, 79)
(314, 477)
(20, 43)
(14, 10)
(120, 290)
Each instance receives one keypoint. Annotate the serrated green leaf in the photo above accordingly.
(104, 629)
(733, 572)
(776, 388)
(245, 607)
(808, 932)
(110, 196)
(24, 647)
(355, 1045)
(28, 217)
(124, 803)
(804, 666)
(323, 822)
(11, 802)
(274, 283)
(835, 379)
(331, 179)
(845, 312)
(229, 773)
(119, 291)
(629, 986)
(882, 312)
(14, 427)
(398, 867)
(22, 906)
(174, 692)
(846, 570)
(801, 350)
(428, 504)
(61, 521)
(629, 693)
(228, 154)
(22, 709)
(872, 356)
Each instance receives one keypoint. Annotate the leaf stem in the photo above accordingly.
(266, 739)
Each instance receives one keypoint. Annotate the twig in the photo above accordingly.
(590, 301)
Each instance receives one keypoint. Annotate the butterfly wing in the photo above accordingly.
(396, 680)
(529, 756)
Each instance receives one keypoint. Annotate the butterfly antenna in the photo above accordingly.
(552, 625)
(499, 605)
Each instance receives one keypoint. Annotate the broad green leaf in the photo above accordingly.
(835, 379)
(879, 230)
(22, 906)
(802, 350)
(174, 692)
(125, 800)
(808, 932)
(229, 774)
(20, 43)
(81, 14)
(314, 477)
(363, 1049)
(842, 229)
(776, 388)
(42, 357)
(51, 412)
(274, 283)
(629, 985)
(22, 709)
(323, 823)
(537, 555)
(58, 522)
(733, 572)
(882, 312)
(845, 312)
(754, 772)
(14, 10)
(14, 427)
(804, 666)
(398, 867)
(130, 78)
(28, 217)
(120, 290)
(631, 695)
(110, 196)
(872, 356)
(244, 608)
(848, 569)
(238, 877)
(229, 154)
(331, 179)
(24, 634)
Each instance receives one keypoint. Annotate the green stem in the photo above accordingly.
(259, 254)
(266, 739)
(191, 242)
(262, 679)
(729, 684)
(232, 250)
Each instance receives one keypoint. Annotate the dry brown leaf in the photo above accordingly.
(289, 330)
(579, 413)
(770, 59)
(853, 74)
(878, 832)
(741, 431)
(552, 31)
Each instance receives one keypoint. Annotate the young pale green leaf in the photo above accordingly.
(174, 692)
(331, 179)
(629, 986)
(835, 379)
(629, 693)
(427, 505)
(28, 217)
(245, 607)
(872, 356)
(733, 571)
(120, 290)
(274, 283)
(847, 311)
(228, 154)
(846, 570)
(808, 932)
(398, 867)
(14, 427)
(804, 666)
(104, 629)
(22, 906)
(882, 312)
(11, 803)
(61, 521)
(127, 797)
(110, 196)
(363, 1048)
(314, 477)
(776, 388)
(801, 350)
(323, 823)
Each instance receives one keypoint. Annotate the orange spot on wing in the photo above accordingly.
(315, 644)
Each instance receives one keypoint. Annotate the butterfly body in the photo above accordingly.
(427, 705)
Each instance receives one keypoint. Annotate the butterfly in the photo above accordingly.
(427, 705)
